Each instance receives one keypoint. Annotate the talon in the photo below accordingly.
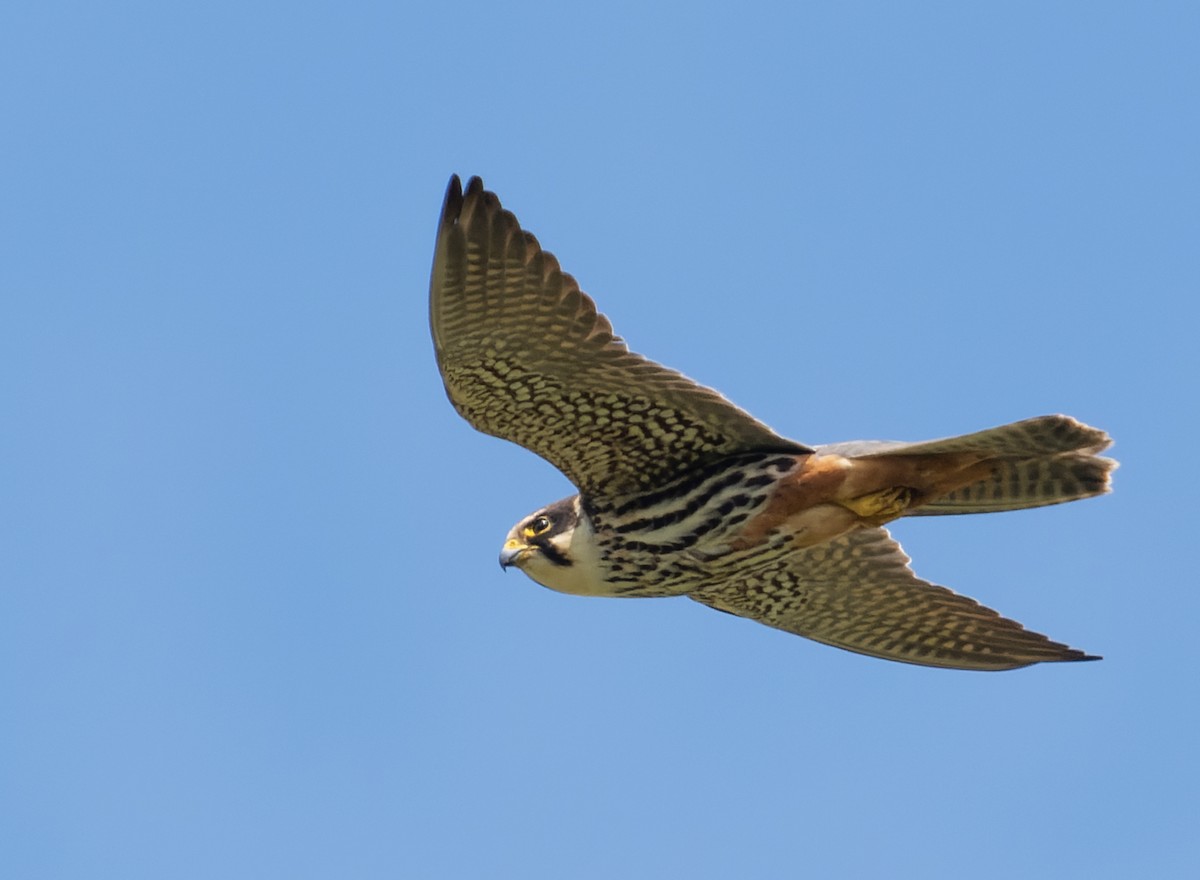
(877, 508)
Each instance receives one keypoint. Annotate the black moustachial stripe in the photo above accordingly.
(552, 553)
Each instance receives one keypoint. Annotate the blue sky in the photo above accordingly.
(251, 621)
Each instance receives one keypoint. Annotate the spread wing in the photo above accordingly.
(525, 356)
(857, 592)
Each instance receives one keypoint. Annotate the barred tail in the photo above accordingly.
(1035, 462)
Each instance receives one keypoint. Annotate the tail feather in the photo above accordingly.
(1035, 462)
(1041, 436)
(1018, 484)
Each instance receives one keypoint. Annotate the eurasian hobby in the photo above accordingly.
(681, 493)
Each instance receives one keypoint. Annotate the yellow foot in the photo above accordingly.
(876, 508)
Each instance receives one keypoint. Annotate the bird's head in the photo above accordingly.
(555, 547)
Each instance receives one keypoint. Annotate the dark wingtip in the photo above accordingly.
(452, 204)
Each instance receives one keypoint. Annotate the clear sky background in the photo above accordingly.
(251, 621)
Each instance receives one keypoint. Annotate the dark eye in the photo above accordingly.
(540, 524)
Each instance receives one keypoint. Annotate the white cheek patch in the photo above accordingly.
(584, 576)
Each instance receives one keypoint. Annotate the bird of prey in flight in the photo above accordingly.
(681, 493)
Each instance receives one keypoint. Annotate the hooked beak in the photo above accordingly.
(512, 552)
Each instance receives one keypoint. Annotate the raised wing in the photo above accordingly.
(525, 356)
(857, 592)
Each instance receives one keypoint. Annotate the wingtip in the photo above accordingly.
(452, 204)
(1074, 655)
(462, 204)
